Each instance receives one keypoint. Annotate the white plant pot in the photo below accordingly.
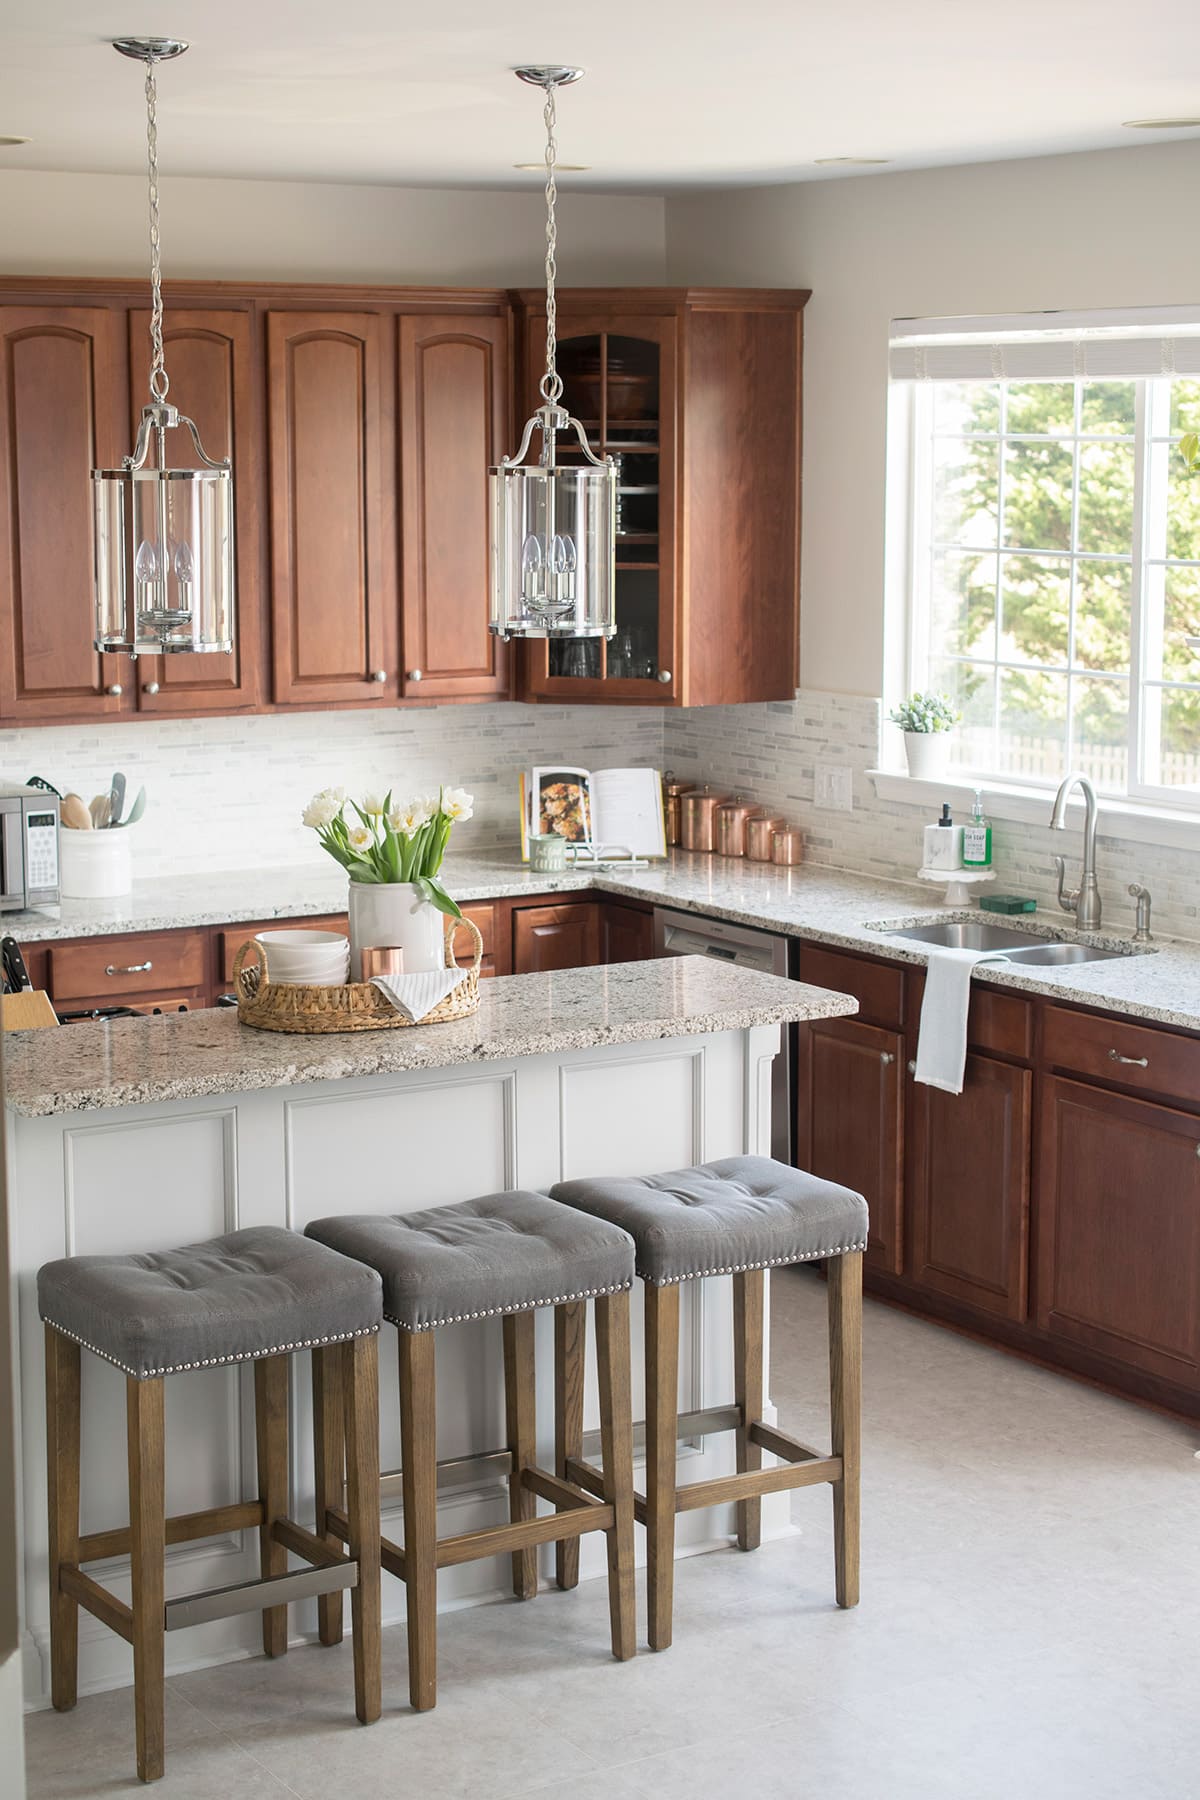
(395, 914)
(928, 753)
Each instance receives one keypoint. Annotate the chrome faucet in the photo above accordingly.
(1083, 901)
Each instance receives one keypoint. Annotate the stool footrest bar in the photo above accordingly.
(304, 1543)
(98, 1601)
(705, 1423)
(98, 1545)
(780, 1443)
(454, 1471)
(563, 1494)
(495, 1540)
(585, 1475)
(256, 1596)
(723, 1488)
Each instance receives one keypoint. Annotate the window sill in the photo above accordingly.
(1133, 821)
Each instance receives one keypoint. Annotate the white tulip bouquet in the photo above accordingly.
(390, 843)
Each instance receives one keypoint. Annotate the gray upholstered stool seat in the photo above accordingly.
(260, 1292)
(743, 1212)
(501, 1253)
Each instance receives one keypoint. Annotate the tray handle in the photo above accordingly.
(247, 981)
(453, 926)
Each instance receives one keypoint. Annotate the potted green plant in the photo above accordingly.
(926, 719)
(392, 854)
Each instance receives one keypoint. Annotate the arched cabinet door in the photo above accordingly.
(453, 411)
(62, 382)
(209, 360)
(333, 520)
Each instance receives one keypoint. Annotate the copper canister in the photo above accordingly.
(760, 833)
(673, 808)
(699, 827)
(732, 819)
(787, 846)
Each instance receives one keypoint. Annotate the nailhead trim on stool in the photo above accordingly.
(744, 1268)
(211, 1362)
(490, 1312)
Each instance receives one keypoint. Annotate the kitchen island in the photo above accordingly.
(142, 1133)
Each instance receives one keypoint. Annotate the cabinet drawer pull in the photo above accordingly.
(379, 675)
(133, 969)
(912, 1068)
(416, 675)
(151, 687)
(1134, 1062)
(886, 1057)
(114, 689)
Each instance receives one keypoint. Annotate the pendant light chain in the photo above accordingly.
(551, 384)
(159, 380)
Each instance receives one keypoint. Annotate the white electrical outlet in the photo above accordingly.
(833, 787)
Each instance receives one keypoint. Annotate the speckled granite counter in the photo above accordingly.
(824, 905)
(181, 1056)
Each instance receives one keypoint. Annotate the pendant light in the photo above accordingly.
(164, 535)
(553, 524)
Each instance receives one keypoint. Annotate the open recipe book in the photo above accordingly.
(600, 812)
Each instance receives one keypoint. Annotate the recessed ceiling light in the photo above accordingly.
(821, 161)
(6, 143)
(539, 168)
(1158, 124)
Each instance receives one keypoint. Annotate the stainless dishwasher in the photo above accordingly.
(691, 934)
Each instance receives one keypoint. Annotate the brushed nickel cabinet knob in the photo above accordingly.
(664, 675)
(416, 674)
(151, 687)
(114, 689)
(379, 675)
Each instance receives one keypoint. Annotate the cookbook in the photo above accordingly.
(600, 812)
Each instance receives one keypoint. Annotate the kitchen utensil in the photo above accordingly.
(759, 835)
(16, 975)
(116, 799)
(136, 810)
(382, 959)
(99, 810)
(47, 787)
(699, 829)
(787, 847)
(732, 819)
(75, 814)
(673, 808)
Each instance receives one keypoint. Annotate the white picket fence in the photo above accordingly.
(1041, 758)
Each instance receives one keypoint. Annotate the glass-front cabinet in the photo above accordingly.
(619, 381)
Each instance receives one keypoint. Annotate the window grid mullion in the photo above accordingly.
(1146, 405)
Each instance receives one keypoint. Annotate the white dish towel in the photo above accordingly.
(942, 1039)
(416, 995)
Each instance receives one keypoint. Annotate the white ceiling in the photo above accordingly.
(678, 93)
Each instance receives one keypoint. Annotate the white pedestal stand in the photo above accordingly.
(958, 882)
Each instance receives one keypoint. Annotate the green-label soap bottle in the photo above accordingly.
(977, 837)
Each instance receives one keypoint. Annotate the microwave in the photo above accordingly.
(28, 848)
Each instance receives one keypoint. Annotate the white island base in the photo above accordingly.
(144, 1176)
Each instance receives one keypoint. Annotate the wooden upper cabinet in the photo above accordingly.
(62, 406)
(454, 423)
(210, 363)
(333, 516)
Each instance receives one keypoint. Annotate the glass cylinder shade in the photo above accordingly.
(164, 560)
(553, 551)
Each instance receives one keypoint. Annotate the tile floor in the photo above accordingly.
(1029, 1630)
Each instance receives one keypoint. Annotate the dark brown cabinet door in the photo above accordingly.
(1118, 1232)
(555, 937)
(968, 1186)
(626, 934)
(63, 413)
(454, 380)
(850, 1126)
(333, 588)
(210, 363)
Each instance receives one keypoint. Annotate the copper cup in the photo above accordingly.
(787, 847)
(699, 830)
(760, 835)
(382, 959)
(732, 821)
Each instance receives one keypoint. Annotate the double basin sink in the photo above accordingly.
(1034, 947)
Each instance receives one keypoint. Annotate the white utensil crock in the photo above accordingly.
(95, 865)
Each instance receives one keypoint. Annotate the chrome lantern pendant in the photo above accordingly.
(164, 535)
(553, 524)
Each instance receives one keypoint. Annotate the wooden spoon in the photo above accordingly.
(75, 814)
(99, 812)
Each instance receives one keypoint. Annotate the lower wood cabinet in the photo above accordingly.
(1118, 1251)
(626, 933)
(968, 1186)
(555, 937)
(850, 1122)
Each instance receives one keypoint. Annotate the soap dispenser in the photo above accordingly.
(943, 843)
(977, 837)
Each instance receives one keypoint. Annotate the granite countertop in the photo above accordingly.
(820, 904)
(180, 1056)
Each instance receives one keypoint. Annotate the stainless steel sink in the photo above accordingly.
(1057, 954)
(1019, 946)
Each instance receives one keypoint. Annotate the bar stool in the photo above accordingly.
(253, 1296)
(736, 1217)
(501, 1255)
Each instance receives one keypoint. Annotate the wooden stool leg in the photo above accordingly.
(360, 1369)
(748, 1392)
(616, 1434)
(845, 1400)
(147, 1546)
(62, 1493)
(662, 1412)
(520, 1412)
(271, 1437)
(570, 1354)
(418, 1449)
(328, 1459)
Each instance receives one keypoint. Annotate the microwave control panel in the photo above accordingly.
(41, 854)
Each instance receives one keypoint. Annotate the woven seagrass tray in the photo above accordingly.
(356, 1006)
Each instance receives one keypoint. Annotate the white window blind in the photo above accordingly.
(1052, 346)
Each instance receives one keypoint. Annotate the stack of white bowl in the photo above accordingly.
(308, 958)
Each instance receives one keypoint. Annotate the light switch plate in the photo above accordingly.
(833, 787)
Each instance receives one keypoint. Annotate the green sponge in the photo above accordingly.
(1007, 903)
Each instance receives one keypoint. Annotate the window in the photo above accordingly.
(1054, 538)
